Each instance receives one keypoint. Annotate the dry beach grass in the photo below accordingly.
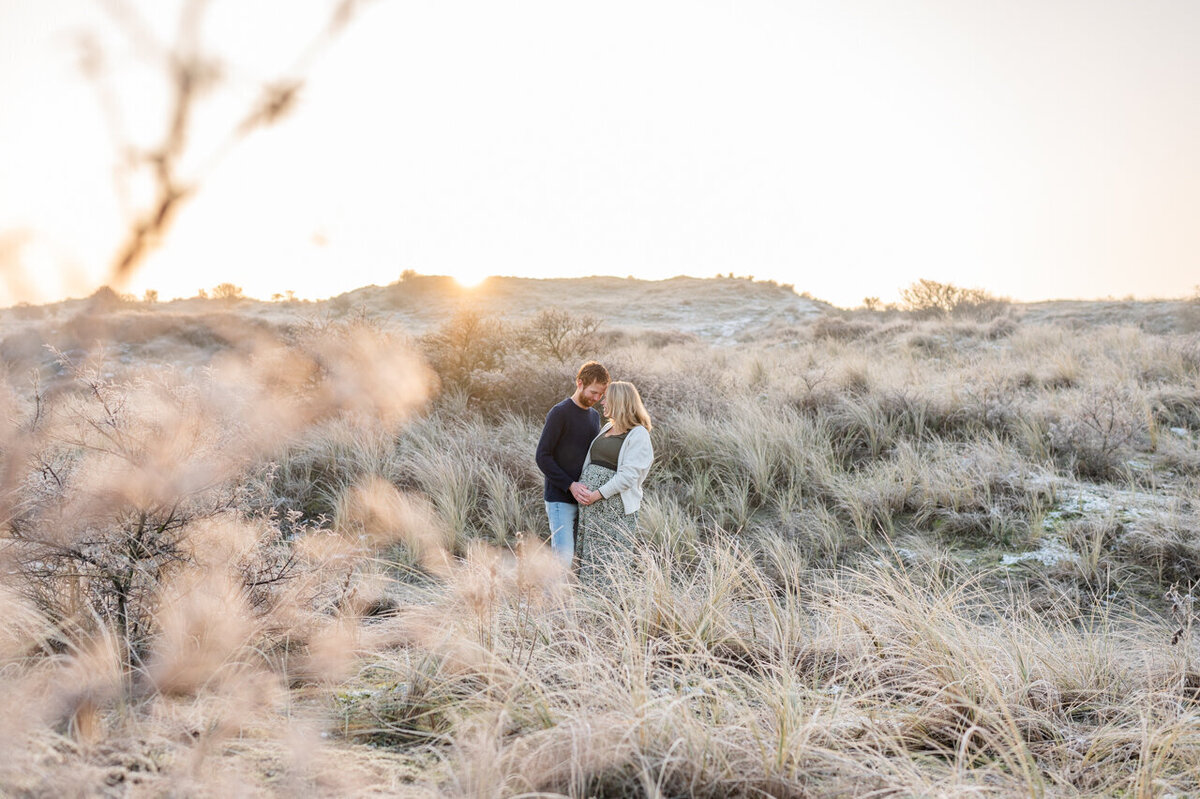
(296, 549)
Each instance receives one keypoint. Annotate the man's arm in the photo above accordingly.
(545, 452)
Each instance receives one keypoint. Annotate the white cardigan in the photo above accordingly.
(633, 464)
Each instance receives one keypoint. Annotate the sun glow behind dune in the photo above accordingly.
(469, 280)
(848, 150)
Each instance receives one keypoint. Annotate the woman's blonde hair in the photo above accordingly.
(624, 406)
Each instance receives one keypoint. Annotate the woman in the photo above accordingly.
(613, 473)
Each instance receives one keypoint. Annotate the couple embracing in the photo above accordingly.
(594, 472)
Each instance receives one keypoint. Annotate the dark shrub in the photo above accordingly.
(1176, 408)
(467, 347)
(1097, 438)
(839, 329)
(528, 386)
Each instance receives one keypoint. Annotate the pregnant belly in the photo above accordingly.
(595, 476)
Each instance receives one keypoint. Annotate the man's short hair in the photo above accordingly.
(592, 372)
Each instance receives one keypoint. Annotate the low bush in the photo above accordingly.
(837, 328)
(556, 334)
(929, 298)
(1097, 433)
(485, 359)
(1165, 546)
(1176, 407)
(467, 347)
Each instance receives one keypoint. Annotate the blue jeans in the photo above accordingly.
(563, 516)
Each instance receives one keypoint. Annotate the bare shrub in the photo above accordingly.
(466, 348)
(554, 333)
(1096, 436)
(929, 298)
(157, 603)
(227, 292)
(106, 513)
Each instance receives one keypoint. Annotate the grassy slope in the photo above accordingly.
(923, 557)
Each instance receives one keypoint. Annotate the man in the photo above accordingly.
(570, 427)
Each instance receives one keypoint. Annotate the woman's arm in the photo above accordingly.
(637, 454)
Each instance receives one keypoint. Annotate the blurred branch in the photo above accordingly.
(141, 39)
(191, 74)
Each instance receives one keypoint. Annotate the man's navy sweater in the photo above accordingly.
(563, 446)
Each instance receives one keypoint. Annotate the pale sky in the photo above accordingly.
(1034, 148)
